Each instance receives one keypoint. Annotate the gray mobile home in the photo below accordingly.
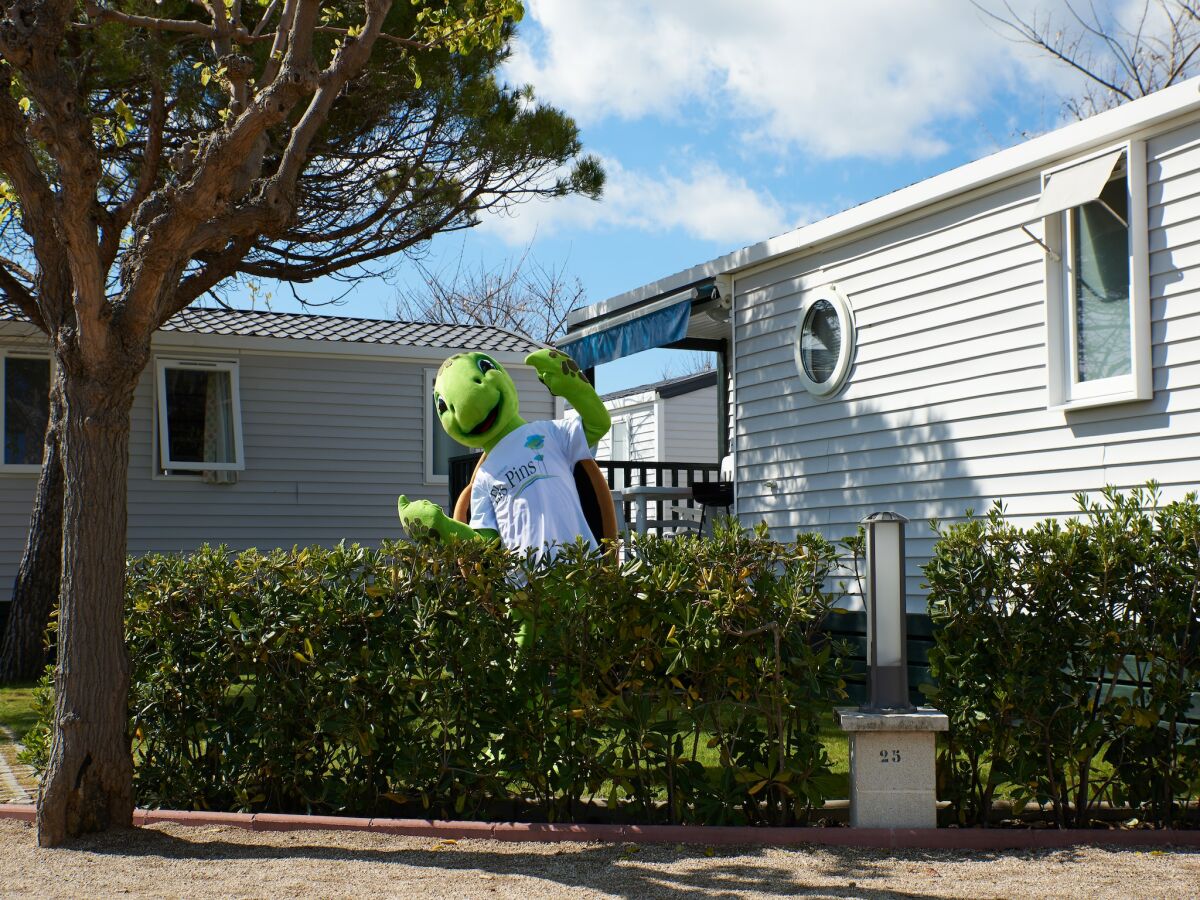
(1023, 327)
(674, 419)
(262, 429)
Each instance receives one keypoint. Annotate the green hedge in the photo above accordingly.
(1067, 656)
(686, 684)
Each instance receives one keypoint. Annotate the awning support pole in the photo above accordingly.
(1037, 240)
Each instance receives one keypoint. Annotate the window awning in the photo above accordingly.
(1076, 185)
(655, 325)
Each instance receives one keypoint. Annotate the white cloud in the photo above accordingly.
(870, 78)
(704, 202)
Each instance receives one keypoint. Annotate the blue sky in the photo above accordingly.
(722, 123)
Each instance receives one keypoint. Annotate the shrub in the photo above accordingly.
(390, 681)
(1066, 656)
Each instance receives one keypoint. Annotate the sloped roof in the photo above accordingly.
(671, 387)
(312, 327)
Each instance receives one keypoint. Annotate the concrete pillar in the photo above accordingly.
(892, 767)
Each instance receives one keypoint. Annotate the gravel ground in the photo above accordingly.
(176, 861)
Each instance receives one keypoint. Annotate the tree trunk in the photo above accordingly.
(23, 654)
(88, 785)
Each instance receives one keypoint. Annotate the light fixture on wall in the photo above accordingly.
(887, 637)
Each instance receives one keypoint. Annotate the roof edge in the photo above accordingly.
(668, 387)
(1034, 154)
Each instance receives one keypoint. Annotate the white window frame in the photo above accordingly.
(833, 295)
(1064, 391)
(620, 421)
(431, 422)
(166, 467)
(5, 354)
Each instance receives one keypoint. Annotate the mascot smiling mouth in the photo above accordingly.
(488, 421)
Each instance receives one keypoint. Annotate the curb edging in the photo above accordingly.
(706, 835)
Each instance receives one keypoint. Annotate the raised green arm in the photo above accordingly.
(559, 373)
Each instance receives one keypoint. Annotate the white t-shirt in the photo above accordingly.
(525, 488)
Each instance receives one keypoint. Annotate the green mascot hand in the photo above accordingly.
(559, 373)
(424, 518)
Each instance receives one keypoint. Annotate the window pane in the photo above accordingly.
(444, 447)
(200, 416)
(820, 341)
(26, 409)
(620, 440)
(1101, 285)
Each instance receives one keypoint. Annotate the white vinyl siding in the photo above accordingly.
(690, 427)
(945, 407)
(636, 412)
(329, 443)
(682, 428)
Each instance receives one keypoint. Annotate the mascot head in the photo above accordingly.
(475, 400)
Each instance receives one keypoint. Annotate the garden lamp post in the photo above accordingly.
(887, 637)
(892, 743)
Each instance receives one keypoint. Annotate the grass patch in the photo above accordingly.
(835, 741)
(16, 708)
(837, 745)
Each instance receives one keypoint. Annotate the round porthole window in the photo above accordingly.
(824, 340)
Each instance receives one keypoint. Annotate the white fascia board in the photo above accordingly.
(230, 343)
(23, 332)
(630, 403)
(302, 347)
(1135, 117)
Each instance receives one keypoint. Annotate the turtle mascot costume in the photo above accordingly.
(524, 491)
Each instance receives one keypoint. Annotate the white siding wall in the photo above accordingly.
(945, 406)
(687, 431)
(329, 443)
(639, 412)
(690, 427)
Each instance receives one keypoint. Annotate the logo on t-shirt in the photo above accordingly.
(520, 477)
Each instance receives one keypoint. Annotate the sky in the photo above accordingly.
(721, 123)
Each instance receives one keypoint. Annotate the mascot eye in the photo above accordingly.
(486, 365)
(441, 405)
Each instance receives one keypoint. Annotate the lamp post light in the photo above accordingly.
(887, 632)
(893, 748)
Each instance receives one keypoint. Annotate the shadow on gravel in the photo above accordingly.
(617, 870)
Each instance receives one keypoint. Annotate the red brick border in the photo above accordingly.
(22, 812)
(883, 838)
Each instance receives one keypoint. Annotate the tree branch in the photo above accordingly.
(16, 269)
(19, 296)
(348, 62)
(63, 123)
(99, 13)
(151, 158)
(215, 270)
(37, 202)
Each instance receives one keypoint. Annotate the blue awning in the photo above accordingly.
(628, 334)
